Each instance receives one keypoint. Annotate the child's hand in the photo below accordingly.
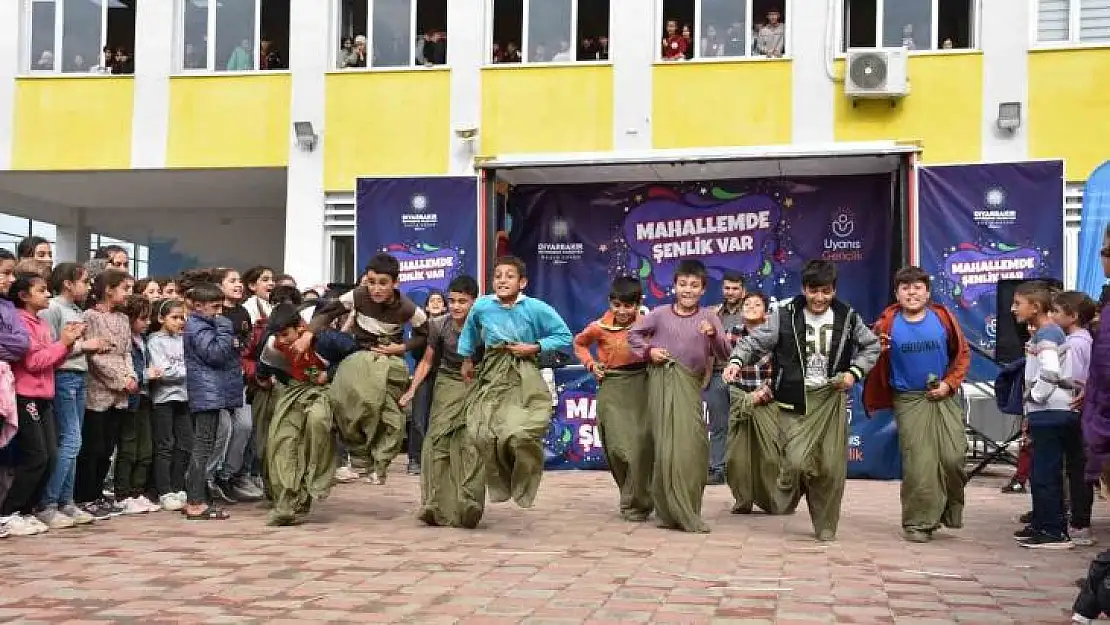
(884, 341)
(406, 399)
(302, 343)
(322, 378)
(845, 381)
(71, 332)
(762, 396)
(706, 328)
(132, 385)
(393, 349)
(153, 373)
(658, 355)
(598, 370)
(731, 373)
(938, 393)
(467, 370)
(94, 346)
(264, 381)
(523, 350)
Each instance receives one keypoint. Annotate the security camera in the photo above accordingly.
(466, 134)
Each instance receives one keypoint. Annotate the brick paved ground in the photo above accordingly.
(363, 558)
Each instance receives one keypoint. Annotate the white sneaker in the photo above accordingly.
(150, 505)
(132, 505)
(183, 496)
(171, 503)
(19, 525)
(42, 527)
(345, 474)
(1082, 620)
(1082, 537)
(55, 520)
(78, 515)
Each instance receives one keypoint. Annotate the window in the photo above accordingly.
(138, 256)
(233, 35)
(913, 24)
(549, 31)
(707, 29)
(1073, 21)
(80, 36)
(391, 33)
(14, 229)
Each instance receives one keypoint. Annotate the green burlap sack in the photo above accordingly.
(300, 454)
(452, 483)
(364, 395)
(754, 464)
(680, 446)
(625, 428)
(934, 447)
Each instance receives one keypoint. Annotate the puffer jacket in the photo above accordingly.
(213, 375)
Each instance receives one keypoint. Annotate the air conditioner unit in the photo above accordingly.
(878, 73)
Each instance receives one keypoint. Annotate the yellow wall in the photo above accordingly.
(386, 124)
(73, 123)
(722, 103)
(229, 121)
(943, 109)
(1069, 99)
(546, 109)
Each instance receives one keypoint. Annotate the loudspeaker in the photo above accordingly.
(1010, 337)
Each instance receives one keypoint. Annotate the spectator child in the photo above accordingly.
(214, 383)
(111, 380)
(681, 340)
(171, 426)
(70, 284)
(1074, 311)
(34, 389)
(134, 455)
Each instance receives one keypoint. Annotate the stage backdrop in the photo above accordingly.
(984, 223)
(576, 239)
(429, 224)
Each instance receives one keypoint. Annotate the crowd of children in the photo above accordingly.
(209, 389)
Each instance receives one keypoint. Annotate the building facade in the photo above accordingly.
(206, 90)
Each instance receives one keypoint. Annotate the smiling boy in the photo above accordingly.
(509, 409)
(821, 347)
(681, 340)
(924, 361)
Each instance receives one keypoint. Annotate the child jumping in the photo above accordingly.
(452, 485)
(681, 340)
(621, 397)
(821, 348)
(509, 409)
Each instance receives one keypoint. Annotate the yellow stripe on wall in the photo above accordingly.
(943, 110)
(229, 121)
(722, 103)
(70, 123)
(1069, 104)
(535, 108)
(394, 123)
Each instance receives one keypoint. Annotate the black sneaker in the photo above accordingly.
(97, 511)
(1024, 534)
(1048, 541)
(1014, 488)
(218, 493)
(1026, 518)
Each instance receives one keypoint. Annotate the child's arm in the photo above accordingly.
(640, 334)
(758, 342)
(161, 357)
(582, 343)
(470, 337)
(1048, 356)
(323, 317)
(960, 363)
(418, 337)
(719, 341)
(553, 335)
(868, 349)
(423, 368)
(46, 357)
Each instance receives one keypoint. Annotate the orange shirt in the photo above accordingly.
(300, 364)
(612, 344)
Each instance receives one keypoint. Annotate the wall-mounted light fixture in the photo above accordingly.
(306, 136)
(1009, 116)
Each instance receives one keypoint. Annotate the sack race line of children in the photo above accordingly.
(224, 399)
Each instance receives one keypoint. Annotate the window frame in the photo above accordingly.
(487, 43)
(210, 44)
(787, 9)
(974, 29)
(27, 62)
(1075, 24)
(337, 35)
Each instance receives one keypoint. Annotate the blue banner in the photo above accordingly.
(983, 223)
(573, 442)
(429, 224)
(576, 238)
(1090, 276)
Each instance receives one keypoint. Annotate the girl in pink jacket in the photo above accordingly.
(34, 390)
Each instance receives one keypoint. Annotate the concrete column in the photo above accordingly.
(813, 90)
(1005, 42)
(11, 55)
(154, 63)
(465, 55)
(309, 48)
(73, 240)
(632, 26)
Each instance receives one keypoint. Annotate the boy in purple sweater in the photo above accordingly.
(681, 341)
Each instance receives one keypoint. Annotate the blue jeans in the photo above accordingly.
(69, 414)
(1056, 438)
(717, 401)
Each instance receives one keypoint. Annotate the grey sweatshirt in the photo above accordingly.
(61, 312)
(167, 352)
